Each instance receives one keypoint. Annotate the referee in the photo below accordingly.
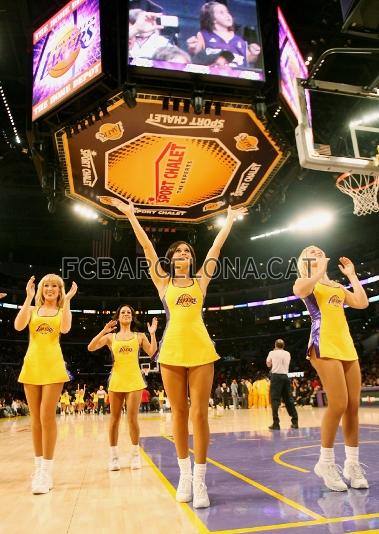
(280, 388)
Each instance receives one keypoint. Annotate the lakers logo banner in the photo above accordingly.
(66, 54)
(173, 165)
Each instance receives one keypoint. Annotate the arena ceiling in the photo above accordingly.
(29, 233)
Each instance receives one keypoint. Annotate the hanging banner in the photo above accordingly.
(173, 165)
(66, 54)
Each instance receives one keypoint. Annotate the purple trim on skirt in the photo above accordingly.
(315, 315)
(70, 375)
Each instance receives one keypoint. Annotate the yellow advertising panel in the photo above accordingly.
(172, 165)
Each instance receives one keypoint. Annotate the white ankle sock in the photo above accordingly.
(327, 455)
(47, 465)
(185, 466)
(135, 449)
(37, 461)
(199, 471)
(352, 454)
(114, 452)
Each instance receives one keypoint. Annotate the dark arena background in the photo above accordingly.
(283, 120)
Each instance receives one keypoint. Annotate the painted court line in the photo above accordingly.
(193, 517)
(278, 455)
(283, 526)
(261, 487)
(318, 520)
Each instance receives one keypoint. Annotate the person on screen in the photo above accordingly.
(221, 63)
(172, 54)
(217, 34)
(145, 5)
(144, 34)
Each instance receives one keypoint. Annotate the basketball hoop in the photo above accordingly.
(363, 189)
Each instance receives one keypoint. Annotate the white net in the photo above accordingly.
(363, 189)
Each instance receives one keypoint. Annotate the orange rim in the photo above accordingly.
(345, 175)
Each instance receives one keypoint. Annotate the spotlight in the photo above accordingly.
(38, 147)
(68, 131)
(97, 113)
(176, 103)
(192, 237)
(129, 95)
(217, 108)
(165, 103)
(45, 182)
(52, 205)
(198, 101)
(260, 107)
(85, 212)
(104, 110)
(221, 221)
(186, 105)
(117, 233)
(207, 107)
(91, 120)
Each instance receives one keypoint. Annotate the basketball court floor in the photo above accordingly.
(258, 480)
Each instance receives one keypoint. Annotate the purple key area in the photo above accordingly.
(264, 482)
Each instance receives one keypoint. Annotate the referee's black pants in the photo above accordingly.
(280, 388)
(101, 404)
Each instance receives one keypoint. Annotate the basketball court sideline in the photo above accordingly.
(258, 481)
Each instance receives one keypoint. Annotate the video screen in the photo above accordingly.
(66, 54)
(217, 37)
(291, 64)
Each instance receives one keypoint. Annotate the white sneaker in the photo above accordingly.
(331, 474)
(354, 473)
(184, 489)
(200, 495)
(114, 464)
(135, 461)
(35, 477)
(37, 468)
(41, 483)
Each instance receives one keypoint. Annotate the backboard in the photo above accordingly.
(339, 130)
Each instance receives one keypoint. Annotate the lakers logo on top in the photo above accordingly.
(126, 349)
(63, 54)
(44, 328)
(335, 301)
(110, 132)
(246, 143)
(186, 300)
(213, 205)
(65, 49)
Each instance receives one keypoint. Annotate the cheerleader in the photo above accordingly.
(64, 402)
(187, 353)
(161, 396)
(126, 381)
(94, 398)
(79, 399)
(44, 371)
(332, 354)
